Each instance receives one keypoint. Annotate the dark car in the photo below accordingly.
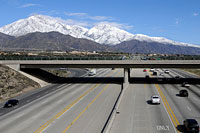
(10, 103)
(191, 125)
(147, 76)
(183, 93)
(177, 77)
(154, 73)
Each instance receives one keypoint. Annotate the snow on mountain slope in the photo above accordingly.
(41, 23)
(106, 34)
(162, 40)
(101, 33)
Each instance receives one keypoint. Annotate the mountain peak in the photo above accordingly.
(104, 32)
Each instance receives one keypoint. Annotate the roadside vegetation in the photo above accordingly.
(12, 83)
(58, 72)
(194, 71)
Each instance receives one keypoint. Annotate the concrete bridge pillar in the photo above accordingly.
(126, 77)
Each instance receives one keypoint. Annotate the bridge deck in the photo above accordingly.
(104, 63)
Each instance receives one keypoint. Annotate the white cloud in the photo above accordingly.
(195, 14)
(87, 16)
(87, 23)
(177, 21)
(76, 14)
(93, 20)
(29, 5)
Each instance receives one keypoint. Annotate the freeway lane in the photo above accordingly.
(86, 107)
(35, 94)
(184, 108)
(138, 116)
(66, 105)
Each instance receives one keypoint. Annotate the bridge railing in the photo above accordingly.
(57, 58)
(26, 57)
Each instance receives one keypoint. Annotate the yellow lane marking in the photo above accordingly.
(39, 130)
(45, 125)
(145, 85)
(167, 106)
(86, 107)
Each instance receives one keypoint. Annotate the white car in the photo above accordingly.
(155, 99)
(152, 70)
(162, 74)
(185, 84)
(167, 71)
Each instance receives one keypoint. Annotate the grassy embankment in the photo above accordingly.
(194, 71)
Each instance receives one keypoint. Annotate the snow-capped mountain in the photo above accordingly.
(107, 34)
(101, 33)
(41, 23)
(162, 40)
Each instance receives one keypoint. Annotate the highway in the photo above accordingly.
(74, 108)
(138, 115)
(86, 107)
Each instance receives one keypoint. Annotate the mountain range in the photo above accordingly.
(49, 33)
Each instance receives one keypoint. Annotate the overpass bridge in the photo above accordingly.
(103, 63)
(125, 64)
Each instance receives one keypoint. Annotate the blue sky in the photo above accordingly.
(177, 20)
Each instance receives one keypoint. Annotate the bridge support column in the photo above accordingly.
(126, 77)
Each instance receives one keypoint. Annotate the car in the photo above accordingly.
(144, 70)
(155, 99)
(177, 77)
(113, 68)
(167, 71)
(185, 84)
(191, 125)
(11, 102)
(183, 93)
(154, 73)
(147, 76)
(152, 70)
(162, 74)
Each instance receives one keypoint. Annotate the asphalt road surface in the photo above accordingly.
(70, 108)
(85, 107)
(138, 115)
